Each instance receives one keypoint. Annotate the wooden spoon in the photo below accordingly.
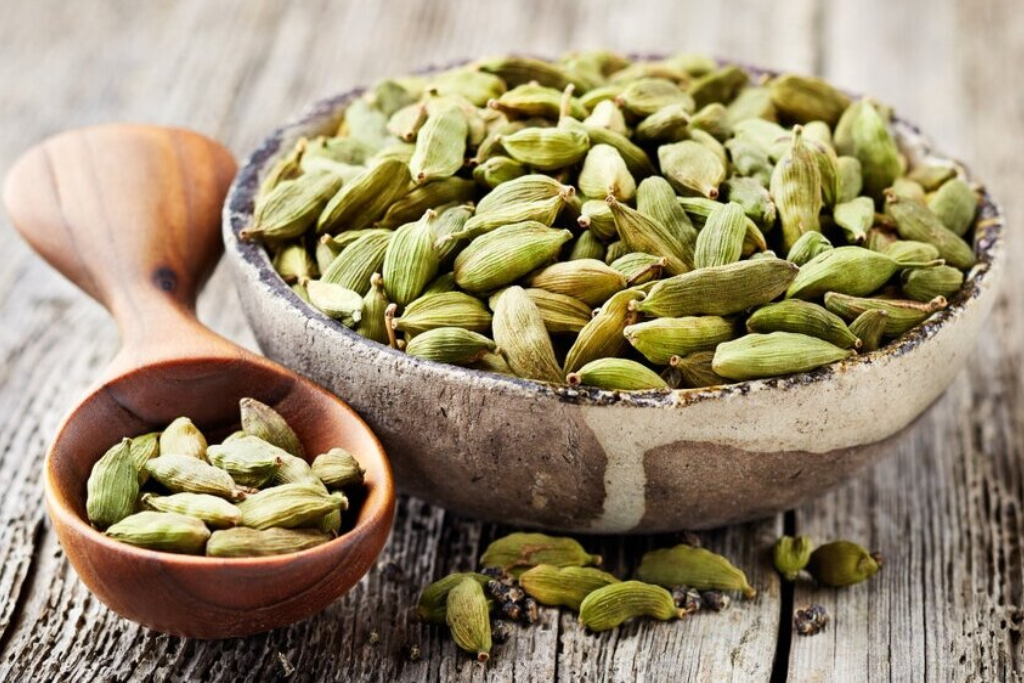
(130, 214)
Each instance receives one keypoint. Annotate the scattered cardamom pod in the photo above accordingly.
(791, 555)
(686, 565)
(568, 586)
(842, 563)
(605, 608)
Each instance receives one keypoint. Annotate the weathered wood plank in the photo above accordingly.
(946, 508)
(235, 70)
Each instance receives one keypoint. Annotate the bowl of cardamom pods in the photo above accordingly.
(616, 294)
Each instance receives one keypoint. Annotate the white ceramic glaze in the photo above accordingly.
(582, 460)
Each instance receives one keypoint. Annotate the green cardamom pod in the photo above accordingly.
(440, 146)
(358, 261)
(809, 246)
(757, 356)
(164, 531)
(292, 207)
(406, 122)
(112, 487)
(548, 149)
(568, 586)
(286, 168)
(181, 437)
(249, 460)
(452, 309)
(661, 339)
(596, 218)
(712, 119)
(721, 85)
(801, 99)
(605, 608)
(791, 555)
(244, 542)
(842, 563)
(373, 324)
(803, 317)
(749, 159)
(915, 221)
(454, 345)
(849, 179)
(517, 552)
(214, 511)
(644, 234)
(752, 103)
(561, 314)
(335, 301)
(338, 469)
(506, 254)
(848, 270)
(721, 241)
(411, 261)
(869, 327)
(908, 190)
(872, 144)
(685, 565)
(955, 204)
(637, 161)
(469, 620)
(605, 173)
(364, 199)
(692, 168)
(587, 246)
(428, 196)
(263, 422)
(696, 370)
(187, 474)
(753, 198)
(639, 268)
(656, 198)
(535, 100)
(589, 280)
(721, 290)
(524, 340)
(910, 250)
(288, 505)
(855, 218)
(478, 87)
(143, 449)
(928, 283)
(796, 188)
(603, 336)
(607, 115)
(516, 71)
(498, 170)
(645, 96)
(295, 470)
(616, 374)
(903, 315)
(433, 604)
(931, 177)
(292, 262)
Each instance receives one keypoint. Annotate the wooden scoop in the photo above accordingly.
(131, 214)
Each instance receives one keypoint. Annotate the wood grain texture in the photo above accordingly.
(946, 509)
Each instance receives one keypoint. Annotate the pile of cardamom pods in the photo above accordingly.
(256, 490)
(622, 224)
(522, 570)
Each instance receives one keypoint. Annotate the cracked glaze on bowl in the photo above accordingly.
(583, 460)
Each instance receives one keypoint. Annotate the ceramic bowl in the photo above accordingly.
(586, 460)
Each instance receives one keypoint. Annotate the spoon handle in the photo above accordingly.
(130, 214)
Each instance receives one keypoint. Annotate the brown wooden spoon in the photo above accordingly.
(131, 215)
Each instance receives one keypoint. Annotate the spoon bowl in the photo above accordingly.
(130, 214)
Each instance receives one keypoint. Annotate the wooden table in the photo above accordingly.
(946, 508)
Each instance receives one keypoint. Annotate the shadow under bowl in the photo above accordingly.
(587, 460)
(197, 596)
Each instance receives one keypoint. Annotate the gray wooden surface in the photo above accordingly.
(947, 508)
